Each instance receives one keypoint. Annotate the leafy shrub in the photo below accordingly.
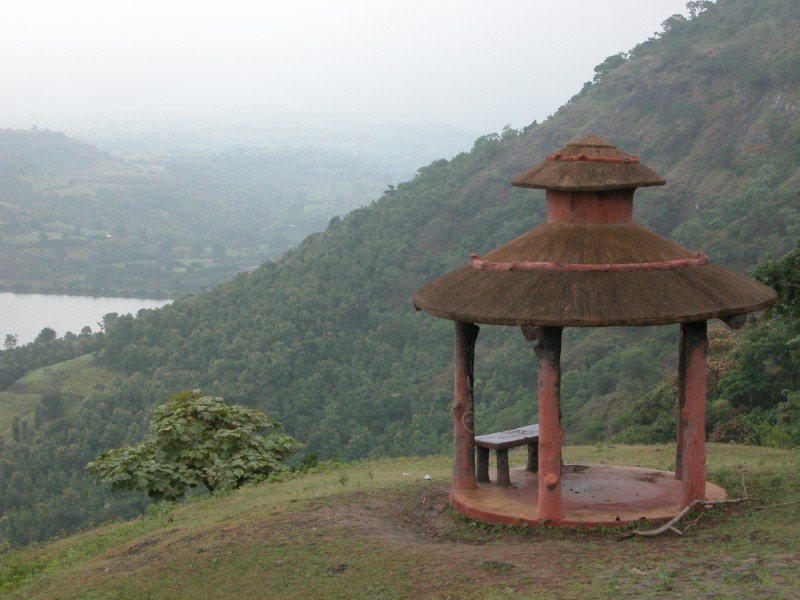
(197, 440)
(651, 419)
(733, 431)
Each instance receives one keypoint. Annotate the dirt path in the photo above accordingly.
(551, 563)
(413, 534)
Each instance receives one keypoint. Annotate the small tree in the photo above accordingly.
(11, 341)
(195, 440)
(609, 64)
(46, 335)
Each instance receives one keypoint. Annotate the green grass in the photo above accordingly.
(74, 379)
(22, 238)
(15, 405)
(376, 529)
(79, 376)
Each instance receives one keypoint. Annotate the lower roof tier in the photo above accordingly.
(589, 275)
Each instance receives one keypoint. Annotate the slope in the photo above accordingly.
(376, 529)
(37, 151)
(326, 340)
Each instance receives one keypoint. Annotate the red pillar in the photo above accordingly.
(692, 417)
(551, 434)
(463, 407)
(681, 407)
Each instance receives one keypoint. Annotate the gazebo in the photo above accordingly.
(588, 265)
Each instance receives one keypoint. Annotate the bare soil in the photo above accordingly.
(407, 542)
(462, 556)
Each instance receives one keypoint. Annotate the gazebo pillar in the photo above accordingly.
(463, 407)
(551, 434)
(690, 459)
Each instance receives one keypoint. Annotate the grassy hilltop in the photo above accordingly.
(377, 529)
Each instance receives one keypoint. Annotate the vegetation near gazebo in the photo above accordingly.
(774, 341)
(195, 440)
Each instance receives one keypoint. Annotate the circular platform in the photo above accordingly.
(591, 494)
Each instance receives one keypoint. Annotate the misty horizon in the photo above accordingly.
(463, 66)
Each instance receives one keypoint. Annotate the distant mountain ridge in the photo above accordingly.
(80, 221)
(39, 151)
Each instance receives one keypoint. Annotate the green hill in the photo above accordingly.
(325, 338)
(43, 152)
(376, 529)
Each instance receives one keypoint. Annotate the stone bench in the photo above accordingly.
(500, 442)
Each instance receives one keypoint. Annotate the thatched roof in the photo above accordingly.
(651, 281)
(587, 274)
(589, 164)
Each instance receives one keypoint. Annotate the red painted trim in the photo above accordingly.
(586, 158)
(664, 265)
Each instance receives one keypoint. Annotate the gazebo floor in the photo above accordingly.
(591, 494)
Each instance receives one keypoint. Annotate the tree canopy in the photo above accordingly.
(195, 440)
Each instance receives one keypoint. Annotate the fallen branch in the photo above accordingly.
(743, 469)
(692, 523)
(670, 525)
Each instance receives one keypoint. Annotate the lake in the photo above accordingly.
(27, 314)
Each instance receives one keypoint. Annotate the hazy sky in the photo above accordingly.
(475, 64)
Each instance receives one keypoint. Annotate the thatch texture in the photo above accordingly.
(558, 274)
(591, 298)
(589, 164)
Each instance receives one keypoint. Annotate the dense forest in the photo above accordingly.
(80, 221)
(325, 338)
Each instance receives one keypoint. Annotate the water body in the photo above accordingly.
(27, 314)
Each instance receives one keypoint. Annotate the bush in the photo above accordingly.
(197, 440)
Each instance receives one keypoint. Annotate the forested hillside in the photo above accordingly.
(76, 220)
(326, 340)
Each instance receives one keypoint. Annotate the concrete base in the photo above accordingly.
(592, 495)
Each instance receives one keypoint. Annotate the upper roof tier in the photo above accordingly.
(588, 164)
